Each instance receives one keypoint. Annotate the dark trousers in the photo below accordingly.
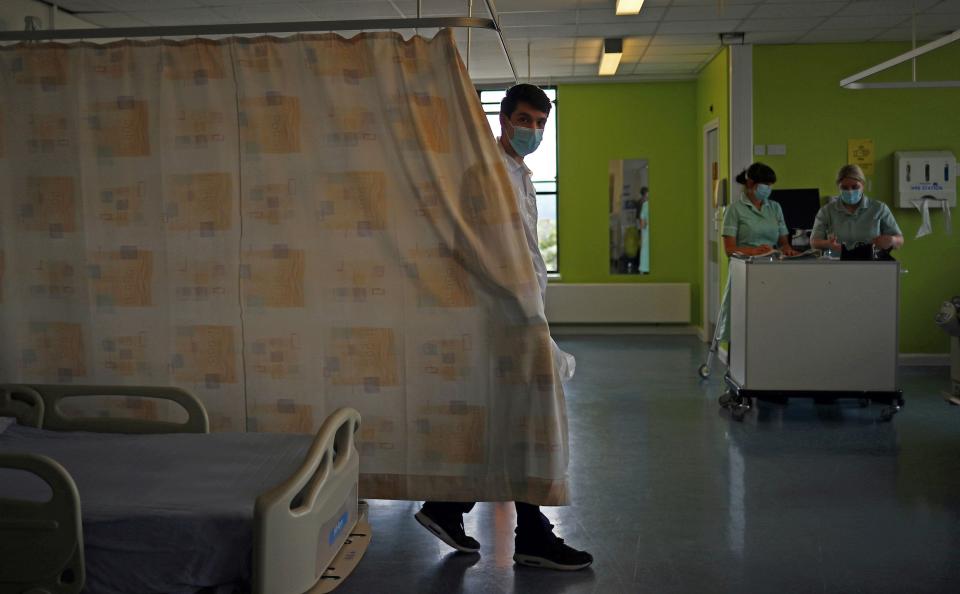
(530, 521)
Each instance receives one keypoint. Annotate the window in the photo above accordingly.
(543, 163)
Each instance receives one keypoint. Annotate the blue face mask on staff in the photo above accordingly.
(525, 140)
(762, 192)
(851, 197)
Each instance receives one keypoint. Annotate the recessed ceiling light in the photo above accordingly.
(625, 7)
(610, 60)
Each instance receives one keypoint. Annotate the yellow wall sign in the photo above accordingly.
(860, 152)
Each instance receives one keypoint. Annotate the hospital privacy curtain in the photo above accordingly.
(282, 227)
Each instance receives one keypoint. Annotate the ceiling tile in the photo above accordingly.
(906, 34)
(797, 10)
(656, 48)
(540, 32)
(866, 22)
(554, 45)
(774, 37)
(705, 39)
(688, 27)
(194, 16)
(260, 13)
(675, 59)
(85, 5)
(150, 5)
(538, 19)
(114, 19)
(505, 6)
(840, 36)
(804, 24)
(885, 7)
(642, 68)
(704, 13)
(945, 6)
(617, 30)
(943, 23)
(714, 2)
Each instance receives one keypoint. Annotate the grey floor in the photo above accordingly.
(671, 495)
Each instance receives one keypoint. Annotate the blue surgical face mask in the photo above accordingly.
(762, 192)
(525, 140)
(851, 197)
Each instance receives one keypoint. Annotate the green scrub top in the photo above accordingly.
(752, 226)
(872, 218)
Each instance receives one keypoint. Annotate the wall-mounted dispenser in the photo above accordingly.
(928, 174)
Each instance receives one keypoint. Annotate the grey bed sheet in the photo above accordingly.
(163, 513)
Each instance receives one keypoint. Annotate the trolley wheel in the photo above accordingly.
(888, 412)
(864, 402)
(726, 399)
(704, 371)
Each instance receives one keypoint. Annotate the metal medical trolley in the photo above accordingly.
(821, 329)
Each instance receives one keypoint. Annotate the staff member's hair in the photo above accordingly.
(758, 173)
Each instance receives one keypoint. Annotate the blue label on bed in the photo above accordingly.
(341, 524)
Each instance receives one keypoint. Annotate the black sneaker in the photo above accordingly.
(549, 552)
(449, 531)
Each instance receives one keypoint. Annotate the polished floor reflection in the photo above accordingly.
(671, 495)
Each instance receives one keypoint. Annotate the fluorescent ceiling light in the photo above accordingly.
(629, 7)
(610, 60)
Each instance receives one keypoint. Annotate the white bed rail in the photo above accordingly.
(41, 542)
(300, 525)
(54, 395)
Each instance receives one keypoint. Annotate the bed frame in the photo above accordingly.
(309, 532)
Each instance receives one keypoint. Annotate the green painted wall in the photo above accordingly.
(798, 102)
(600, 122)
(713, 100)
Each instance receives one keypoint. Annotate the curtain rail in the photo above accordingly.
(251, 28)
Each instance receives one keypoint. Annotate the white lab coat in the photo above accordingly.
(526, 196)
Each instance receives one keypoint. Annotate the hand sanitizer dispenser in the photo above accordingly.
(928, 174)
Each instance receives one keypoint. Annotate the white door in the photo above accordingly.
(712, 161)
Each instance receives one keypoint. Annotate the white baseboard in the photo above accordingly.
(925, 359)
(618, 303)
(621, 329)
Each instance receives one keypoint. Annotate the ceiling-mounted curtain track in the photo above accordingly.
(853, 82)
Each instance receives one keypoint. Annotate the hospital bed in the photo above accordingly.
(132, 505)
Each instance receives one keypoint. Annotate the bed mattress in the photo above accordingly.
(163, 513)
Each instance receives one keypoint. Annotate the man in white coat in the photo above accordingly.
(523, 115)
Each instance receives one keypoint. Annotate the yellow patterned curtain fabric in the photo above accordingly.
(283, 227)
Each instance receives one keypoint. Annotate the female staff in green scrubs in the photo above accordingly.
(753, 224)
(851, 218)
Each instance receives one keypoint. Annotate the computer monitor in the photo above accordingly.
(799, 207)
